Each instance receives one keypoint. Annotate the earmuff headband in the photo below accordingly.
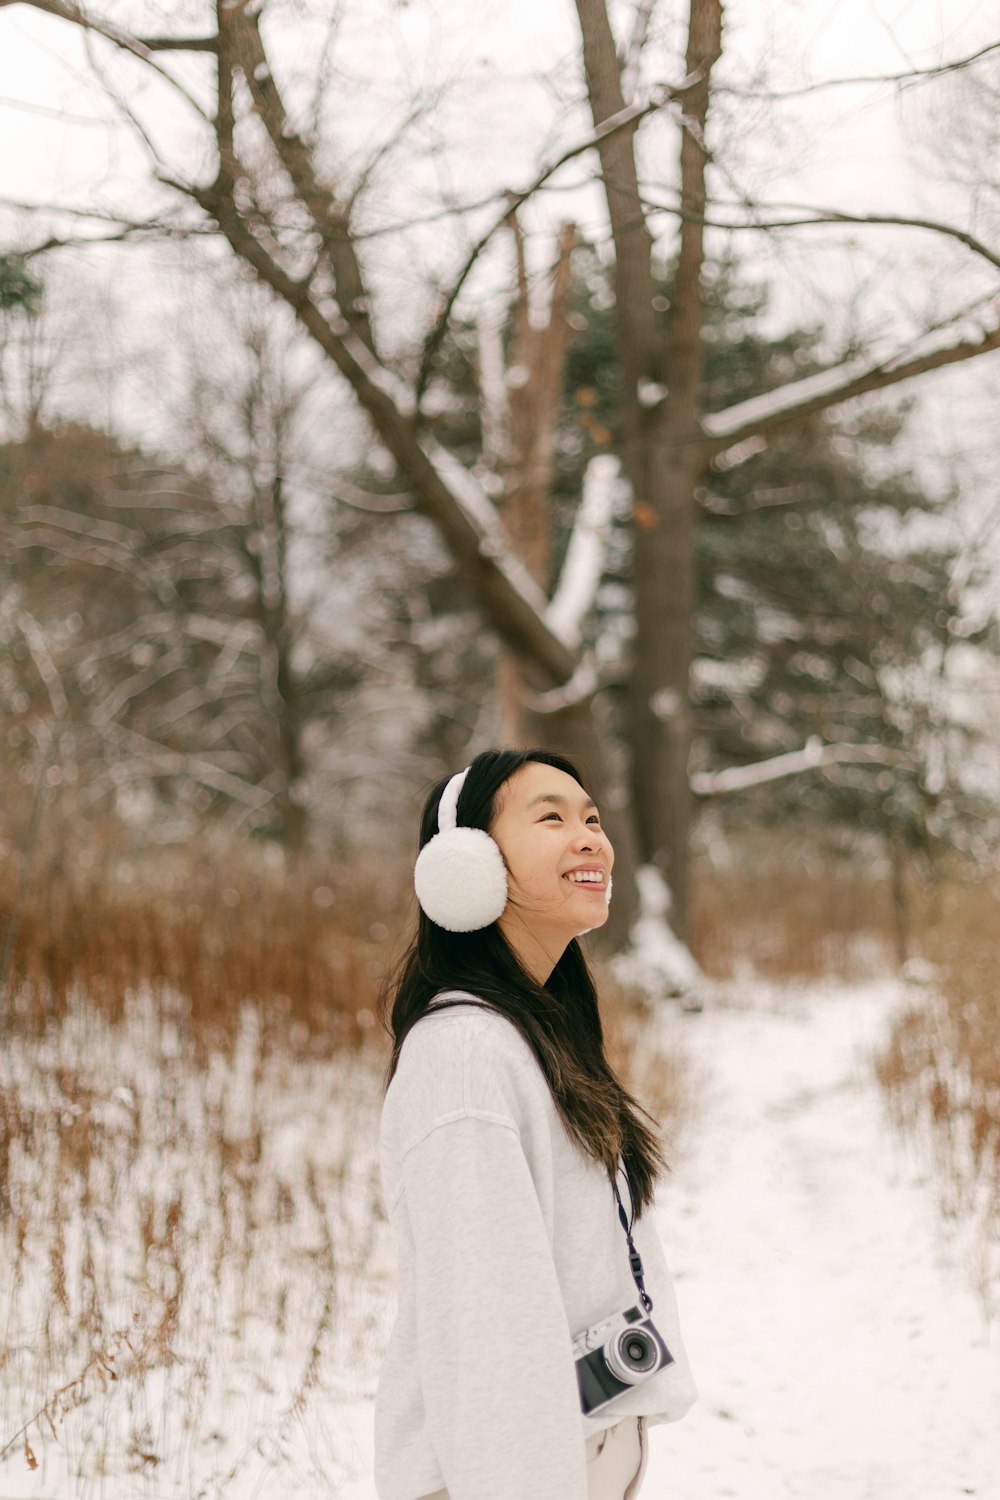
(460, 877)
(448, 806)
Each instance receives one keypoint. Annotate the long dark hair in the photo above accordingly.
(559, 1020)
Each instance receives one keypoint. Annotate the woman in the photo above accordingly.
(504, 1135)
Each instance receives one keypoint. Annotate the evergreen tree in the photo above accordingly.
(815, 617)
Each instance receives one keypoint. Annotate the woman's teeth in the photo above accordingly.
(584, 877)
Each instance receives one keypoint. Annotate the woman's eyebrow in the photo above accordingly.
(559, 800)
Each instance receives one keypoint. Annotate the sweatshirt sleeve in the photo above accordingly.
(494, 1345)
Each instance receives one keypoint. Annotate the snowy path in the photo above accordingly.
(838, 1351)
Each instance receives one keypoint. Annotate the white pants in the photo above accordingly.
(616, 1462)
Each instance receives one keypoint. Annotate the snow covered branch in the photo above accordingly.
(632, 55)
(584, 562)
(812, 755)
(493, 390)
(802, 398)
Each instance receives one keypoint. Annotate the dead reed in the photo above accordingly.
(778, 908)
(198, 1265)
(194, 1254)
(207, 929)
(940, 1070)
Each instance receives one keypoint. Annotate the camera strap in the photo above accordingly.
(634, 1258)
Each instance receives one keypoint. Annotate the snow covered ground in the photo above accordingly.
(840, 1350)
(833, 1328)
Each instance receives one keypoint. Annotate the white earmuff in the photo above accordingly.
(460, 877)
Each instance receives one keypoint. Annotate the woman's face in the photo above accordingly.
(558, 858)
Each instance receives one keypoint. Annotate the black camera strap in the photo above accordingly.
(634, 1258)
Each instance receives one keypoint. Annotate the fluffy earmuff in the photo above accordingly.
(460, 877)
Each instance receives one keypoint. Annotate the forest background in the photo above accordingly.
(380, 382)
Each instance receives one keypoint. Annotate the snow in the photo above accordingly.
(735, 421)
(651, 393)
(655, 960)
(839, 1351)
(583, 684)
(481, 513)
(839, 1347)
(581, 570)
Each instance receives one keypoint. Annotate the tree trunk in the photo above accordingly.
(538, 353)
(662, 429)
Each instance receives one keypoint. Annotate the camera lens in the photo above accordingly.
(632, 1354)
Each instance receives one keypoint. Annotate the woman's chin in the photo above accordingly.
(595, 918)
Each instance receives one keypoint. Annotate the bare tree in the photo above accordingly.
(149, 604)
(271, 193)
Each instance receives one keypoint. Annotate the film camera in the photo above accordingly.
(616, 1354)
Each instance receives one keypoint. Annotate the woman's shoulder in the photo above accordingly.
(463, 1032)
(458, 1060)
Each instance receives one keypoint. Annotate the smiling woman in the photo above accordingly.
(525, 1359)
(559, 861)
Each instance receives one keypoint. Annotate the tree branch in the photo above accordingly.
(162, 761)
(913, 75)
(66, 10)
(829, 216)
(625, 119)
(295, 155)
(803, 398)
(632, 55)
(446, 491)
(814, 754)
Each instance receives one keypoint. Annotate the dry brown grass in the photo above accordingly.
(940, 1070)
(190, 1221)
(206, 929)
(782, 911)
(194, 1256)
(651, 1060)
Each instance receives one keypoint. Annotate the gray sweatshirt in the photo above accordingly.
(509, 1244)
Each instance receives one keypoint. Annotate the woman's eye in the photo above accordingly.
(594, 819)
(551, 815)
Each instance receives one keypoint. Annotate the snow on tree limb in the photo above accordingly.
(493, 390)
(447, 492)
(813, 754)
(581, 571)
(493, 542)
(790, 403)
(583, 684)
(632, 53)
